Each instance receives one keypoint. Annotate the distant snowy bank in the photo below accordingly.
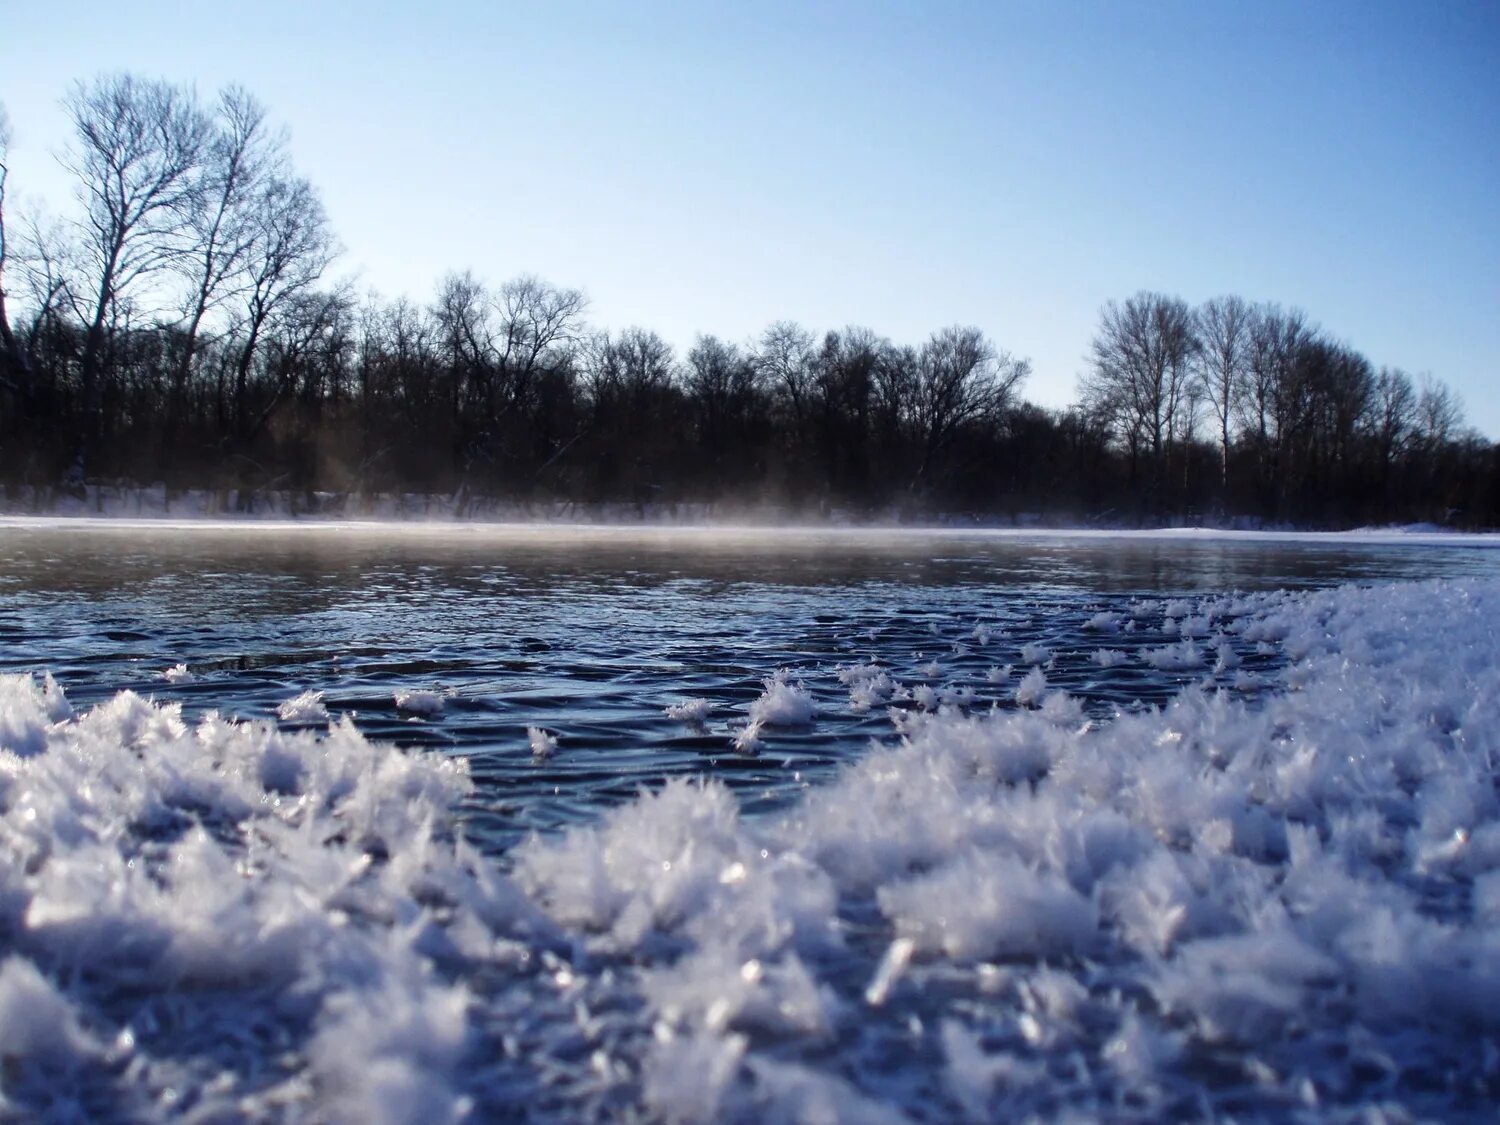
(158, 504)
(1284, 908)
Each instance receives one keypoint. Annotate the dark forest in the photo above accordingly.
(181, 328)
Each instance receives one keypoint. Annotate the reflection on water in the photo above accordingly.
(591, 634)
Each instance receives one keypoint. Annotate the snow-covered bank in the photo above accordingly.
(701, 531)
(1267, 910)
(157, 507)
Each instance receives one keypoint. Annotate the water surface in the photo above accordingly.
(591, 633)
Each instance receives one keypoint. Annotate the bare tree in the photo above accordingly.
(462, 313)
(785, 361)
(310, 334)
(844, 377)
(406, 334)
(639, 363)
(1283, 341)
(289, 246)
(721, 383)
(1341, 402)
(1439, 414)
(14, 365)
(632, 392)
(1268, 406)
(535, 318)
(718, 374)
(223, 225)
(895, 389)
(1393, 409)
(1223, 326)
(136, 152)
(1139, 375)
(844, 368)
(48, 258)
(961, 378)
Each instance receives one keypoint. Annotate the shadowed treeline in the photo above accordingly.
(177, 325)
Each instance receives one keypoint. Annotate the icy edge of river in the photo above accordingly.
(1217, 908)
(526, 523)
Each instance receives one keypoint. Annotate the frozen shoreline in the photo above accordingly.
(1273, 909)
(688, 532)
(151, 508)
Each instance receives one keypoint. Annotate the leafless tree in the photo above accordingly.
(718, 373)
(636, 363)
(48, 259)
(1340, 403)
(634, 417)
(241, 159)
(136, 152)
(845, 367)
(466, 336)
(895, 388)
(399, 334)
(1138, 378)
(14, 364)
(961, 378)
(534, 319)
(1268, 405)
(288, 246)
(1223, 326)
(1393, 409)
(784, 358)
(844, 394)
(1439, 414)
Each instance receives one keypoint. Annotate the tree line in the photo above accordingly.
(180, 326)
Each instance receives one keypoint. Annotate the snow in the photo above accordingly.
(387, 516)
(420, 701)
(784, 703)
(1105, 622)
(869, 685)
(304, 708)
(1032, 687)
(747, 739)
(1181, 657)
(1224, 907)
(178, 674)
(542, 743)
(37, 1022)
(1035, 653)
(178, 899)
(1225, 658)
(975, 907)
(690, 710)
(1191, 626)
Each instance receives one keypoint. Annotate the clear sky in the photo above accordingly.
(714, 167)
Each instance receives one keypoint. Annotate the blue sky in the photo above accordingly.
(713, 167)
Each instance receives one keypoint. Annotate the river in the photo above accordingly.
(745, 824)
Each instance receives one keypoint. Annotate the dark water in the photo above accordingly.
(590, 635)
